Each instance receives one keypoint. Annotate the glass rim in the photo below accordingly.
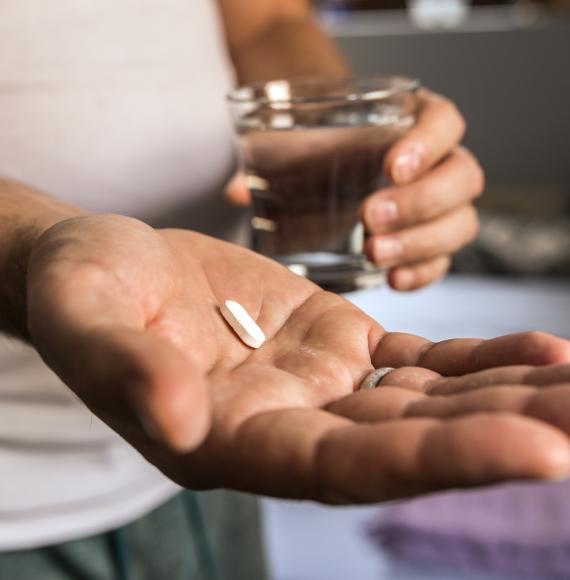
(401, 84)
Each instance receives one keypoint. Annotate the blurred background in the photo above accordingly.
(507, 66)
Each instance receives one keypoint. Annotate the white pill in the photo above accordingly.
(242, 323)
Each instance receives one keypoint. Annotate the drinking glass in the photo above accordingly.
(312, 149)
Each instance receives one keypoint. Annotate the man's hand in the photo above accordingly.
(129, 317)
(427, 212)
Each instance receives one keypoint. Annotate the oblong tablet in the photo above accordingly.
(242, 323)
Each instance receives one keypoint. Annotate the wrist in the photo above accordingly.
(24, 216)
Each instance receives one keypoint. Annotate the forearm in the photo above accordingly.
(24, 215)
(288, 48)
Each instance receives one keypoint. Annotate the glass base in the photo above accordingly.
(335, 272)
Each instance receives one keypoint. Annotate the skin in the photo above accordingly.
(128, 317)
(426, 213)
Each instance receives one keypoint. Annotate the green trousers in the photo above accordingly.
(206, 536)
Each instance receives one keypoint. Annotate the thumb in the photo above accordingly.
(136, 375)
(236, 191)
(132, 378)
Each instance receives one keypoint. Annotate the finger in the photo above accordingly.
(455, 182)
(514, 375)
(526, 396)
(438, 129)
(461, 356)
(500, 398)
(317, 455)
(416, 276)
(551, 405)
(375, 405)
(442, 236)
(367, 463)
(237, 192)
(271, 453)
(424, 380)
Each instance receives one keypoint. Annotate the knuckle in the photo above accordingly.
(533, 337)
(444, 264)
(478, 178)
(473, 224)
(461, 122)
(475, 172)
(450, 109)
(426, 274)
(435, 270)
(531, 342)
(472, 169)
(466, 228)
(420, 203)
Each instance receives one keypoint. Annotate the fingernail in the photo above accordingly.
(386, 249)
(381, 212)
(407, 165)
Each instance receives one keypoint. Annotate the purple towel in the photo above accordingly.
(521, 529)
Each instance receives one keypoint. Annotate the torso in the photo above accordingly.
(116, 106)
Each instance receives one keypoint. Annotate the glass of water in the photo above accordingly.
(312, 149)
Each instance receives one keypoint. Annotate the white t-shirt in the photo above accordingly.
(114, 105)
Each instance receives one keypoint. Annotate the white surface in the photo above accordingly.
(472, 307)
(310, 542)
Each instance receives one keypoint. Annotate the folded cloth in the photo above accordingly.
(521, 529)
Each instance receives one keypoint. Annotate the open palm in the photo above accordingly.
(129, 318)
